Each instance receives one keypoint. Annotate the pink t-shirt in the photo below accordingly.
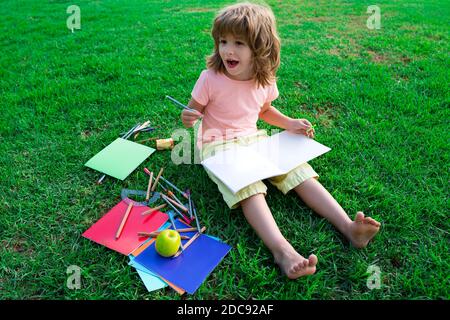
(232, 106)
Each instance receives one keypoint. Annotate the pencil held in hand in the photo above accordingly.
(301, 126)
(189, 117)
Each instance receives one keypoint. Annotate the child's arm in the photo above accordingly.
(189, 117)
(272, 116)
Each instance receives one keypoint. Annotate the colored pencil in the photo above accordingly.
(177, 204)
(173, 186)
(195, 215)
(172, 195)
(124, 220)
(181, 105)
(190, 205)
(157, 178)
(145, 140)
(184, 247)
(178, 230)
(173, 207)
(154, 235)
(153, 209)
(149, 186)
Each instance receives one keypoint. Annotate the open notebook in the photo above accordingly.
(240, 166)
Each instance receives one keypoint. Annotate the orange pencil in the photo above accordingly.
(124, 220)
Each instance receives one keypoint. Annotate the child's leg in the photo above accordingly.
(359, 232)
(260, 218)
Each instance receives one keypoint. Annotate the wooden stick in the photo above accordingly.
(124, 220)
(153, 209)
(148, 139)
(190, 241)
(149, 186)
(157, 178)
(176, 203)
(155, 234)
(179, 230)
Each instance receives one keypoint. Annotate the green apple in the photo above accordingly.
(168, 242)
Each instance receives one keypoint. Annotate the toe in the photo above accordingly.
(359, 217)
(312, 260)
(373, 222)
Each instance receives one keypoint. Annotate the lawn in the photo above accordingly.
(378, 98)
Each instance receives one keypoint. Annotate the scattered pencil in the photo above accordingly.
(157, 178)
(155, 234)
(174, 226)
(173, 186)
(179, 230)
(173, 207)
(177, 204)
(195, 215)
(153, 209)
(124, 220)
(149, 186)
(145, 140)
(187, 244)
(173, 196)
(190, 204)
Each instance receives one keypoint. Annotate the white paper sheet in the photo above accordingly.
(241, 166)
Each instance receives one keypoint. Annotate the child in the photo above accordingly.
(231, 95)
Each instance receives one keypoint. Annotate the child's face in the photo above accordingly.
(236, 56)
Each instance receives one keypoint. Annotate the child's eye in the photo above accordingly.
(239, 43)
(223, 41)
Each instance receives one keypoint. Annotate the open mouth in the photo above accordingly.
(232, 63)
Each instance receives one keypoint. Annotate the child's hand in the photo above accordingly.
(301, 126)
(189, 118)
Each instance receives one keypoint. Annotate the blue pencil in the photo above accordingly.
(181, 105)
(172, 185)
(196, 219)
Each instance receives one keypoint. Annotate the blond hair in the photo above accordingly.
(256, 24)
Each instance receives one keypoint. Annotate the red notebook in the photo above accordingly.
(104, 230)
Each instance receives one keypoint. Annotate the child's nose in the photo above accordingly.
(229, 51)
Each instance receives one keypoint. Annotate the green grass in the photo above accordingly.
(378, 98)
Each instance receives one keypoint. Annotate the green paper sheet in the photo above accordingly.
(120, 158)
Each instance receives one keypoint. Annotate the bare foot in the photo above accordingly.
(362, 230)
(294, 265)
